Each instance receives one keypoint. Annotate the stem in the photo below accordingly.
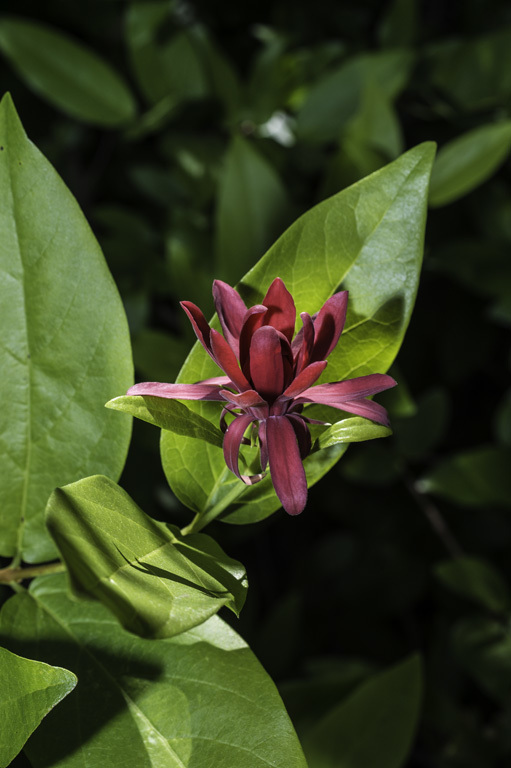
(435, 519)
(15, 575)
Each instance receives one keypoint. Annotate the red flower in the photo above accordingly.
(268, 379)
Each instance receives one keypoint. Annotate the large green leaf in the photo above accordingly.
(158, 582)
(30, 689)
(374, 727)
(199, 699)
(252, 209)
(66, 73)
(468, 161)
(65, 345)
(368, 238)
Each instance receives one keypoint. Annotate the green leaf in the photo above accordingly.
(475, 73)
(30, 689)
(158, 356)
(66, 73)
(164, 67)
(468, 161)
(158, 582)
(201, 697)
(337, 97)
(418, 434)
(476, 580)
(353, 430)
(252, 209)
(65, 345)
(368, 238)
(168, 414)
(374, 727)
(473, 478)
(483, 648)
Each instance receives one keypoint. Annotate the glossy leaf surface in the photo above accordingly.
(168, 414)
(158, 582)
(369, 239)
(66, 73)
(30, 689)
(65, 345)
(351, 431)
(467, 161)
(372, 728)
(201, 698)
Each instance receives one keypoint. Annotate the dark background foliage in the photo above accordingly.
(244, 119)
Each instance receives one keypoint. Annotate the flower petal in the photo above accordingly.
(226, 359)
(368, 409)
(231, 311)
(267, 363)
(305, 379)
(232, 441)
(338, 392)
(328, 325)
(303, 343)
(281, 313)
(248, 399)
(287, 472)
(262, 444)
(252, 321)
(302, 433)
(178, 391)
(199, 323)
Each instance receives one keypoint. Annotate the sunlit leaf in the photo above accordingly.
(65, 345)
(30, 689)
(352, 430)
(168, 414)
(158, 582)
(199, 697)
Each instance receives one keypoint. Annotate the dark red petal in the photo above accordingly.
(262, 445)
(223, 380)
(367, 409)
(303, 343)
(329, 324)
(302, 434)
(232, 441)
(231, 310)
(178, 391)
(305, 379)
(199, 323)
(226, 359)
(248, 399)
(252, 321)
(267, 363)
(287, 472)
(338, 392)
(281, 313)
